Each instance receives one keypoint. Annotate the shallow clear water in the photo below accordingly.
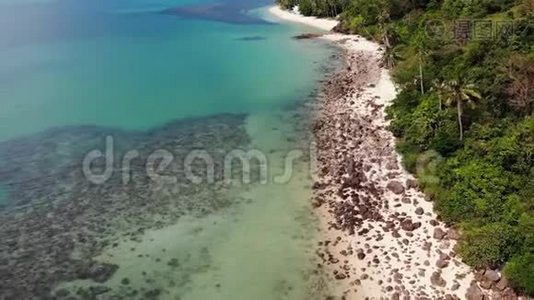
(72, 72)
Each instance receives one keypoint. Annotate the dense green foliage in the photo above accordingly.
(322, 8)
(468, 102)
(520, 271)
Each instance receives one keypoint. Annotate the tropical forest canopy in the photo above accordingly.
(463, 116)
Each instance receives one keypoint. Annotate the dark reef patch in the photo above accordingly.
(53, 211)
(251, 38)
(228, 12)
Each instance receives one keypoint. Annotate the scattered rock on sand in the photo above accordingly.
(453, 234)
(408, 225)
(396, 187)
(437, 280)
(502, 284)
(411, 184)
(486, 284)
(474, 292)
(491, 275)
(441, 263)
(439, 233)
(392, 165)
(371, 198)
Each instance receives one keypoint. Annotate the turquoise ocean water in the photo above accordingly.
(152, 73)
(116, 63)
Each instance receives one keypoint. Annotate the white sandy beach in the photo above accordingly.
(295, 16)
(398, 249)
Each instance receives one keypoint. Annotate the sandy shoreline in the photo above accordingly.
(382, 238)
(292, 16)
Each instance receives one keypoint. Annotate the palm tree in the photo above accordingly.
(385, 38)
(384, 15)
(457, 93)
(420, 56)
(390, 57)
(384, 30)
(422, 52)
(439, 88)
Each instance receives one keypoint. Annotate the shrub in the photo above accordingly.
(475, 8)
(306, 7)
(476, 190)
(520, 272)
(488, 246)
(446, 140)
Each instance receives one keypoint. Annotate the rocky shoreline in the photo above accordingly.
(382, 239)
